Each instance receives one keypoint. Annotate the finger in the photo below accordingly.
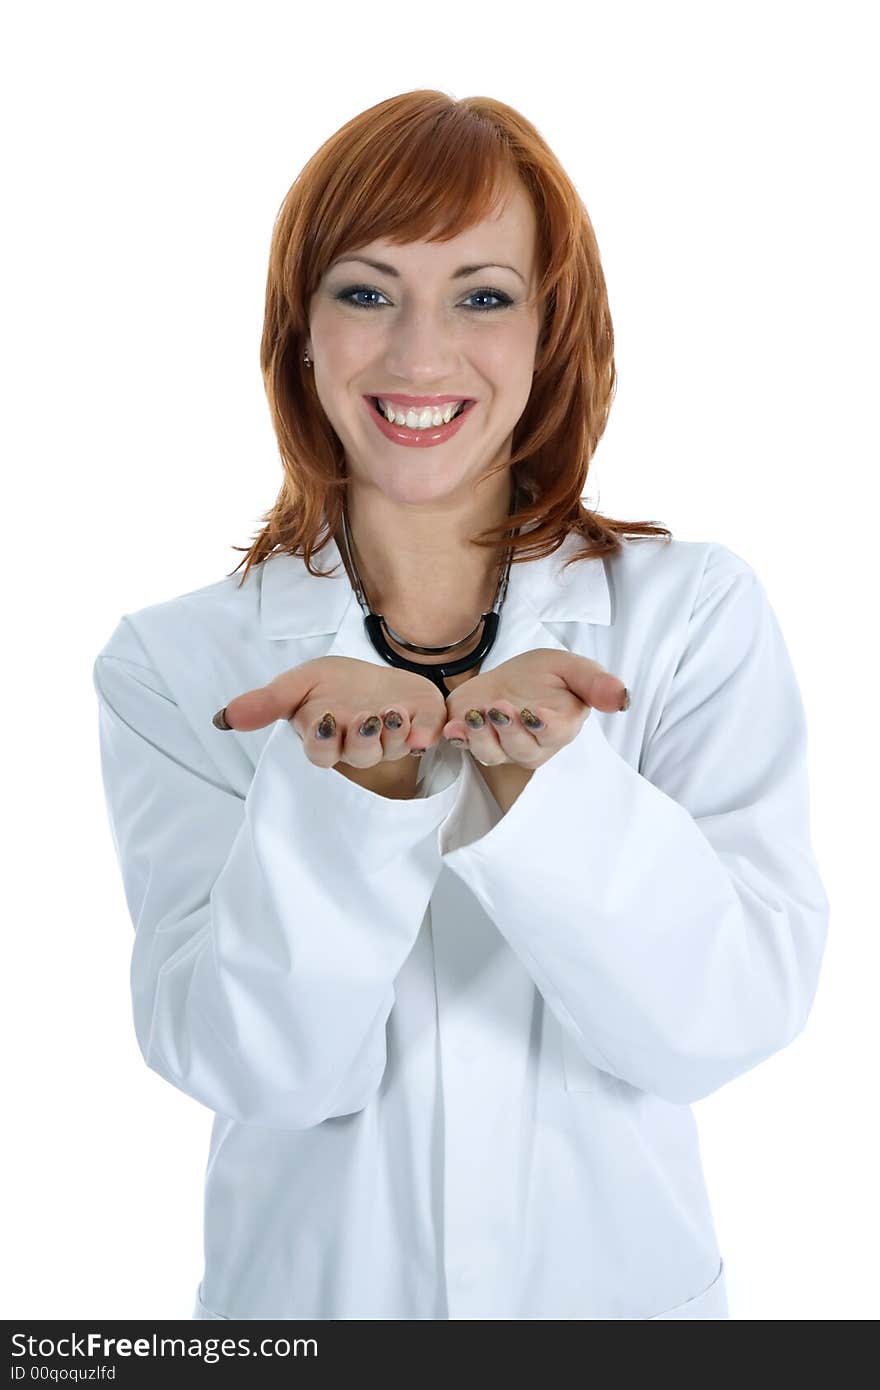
(384, 736)
(396, 726)
(321, 736)
(532, 719)
(528, 744)
(254, 709)
(425, 729)
(362, 745)
(592, 684)
(482, 738)
(526, 735)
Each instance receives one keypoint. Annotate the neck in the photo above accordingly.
(417, 565)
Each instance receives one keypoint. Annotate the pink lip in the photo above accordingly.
(418, 439)
(416, 400)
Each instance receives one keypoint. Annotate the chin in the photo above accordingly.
(415, 491)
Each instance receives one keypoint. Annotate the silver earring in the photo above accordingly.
(307, 359)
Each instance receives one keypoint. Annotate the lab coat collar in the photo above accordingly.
(294, 603)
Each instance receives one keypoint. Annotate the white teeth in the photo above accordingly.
(419, 419)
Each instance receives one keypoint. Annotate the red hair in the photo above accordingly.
(422, 166)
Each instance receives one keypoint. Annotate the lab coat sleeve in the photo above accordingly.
(673, 917)
(269, 928)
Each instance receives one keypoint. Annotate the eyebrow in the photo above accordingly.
(456, 275)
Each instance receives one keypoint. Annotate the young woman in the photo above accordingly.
(450, 1010)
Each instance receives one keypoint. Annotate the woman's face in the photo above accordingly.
(428, 330)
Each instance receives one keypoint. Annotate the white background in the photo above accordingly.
(725, 154)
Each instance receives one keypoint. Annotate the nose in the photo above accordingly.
(422, 350)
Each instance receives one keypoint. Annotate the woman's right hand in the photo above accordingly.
(339, 696)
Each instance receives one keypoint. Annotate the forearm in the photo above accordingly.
(505, 781)
(267, 941)
(396, 780)
(684, 948)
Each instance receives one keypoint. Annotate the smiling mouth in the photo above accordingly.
(454, 416)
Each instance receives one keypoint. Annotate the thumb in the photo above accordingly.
(595, 686)
(254, 709)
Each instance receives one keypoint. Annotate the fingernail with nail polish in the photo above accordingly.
(626, 701)
(219, 721)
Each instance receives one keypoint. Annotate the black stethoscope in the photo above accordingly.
(438, 672)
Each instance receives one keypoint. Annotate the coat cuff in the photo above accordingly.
(378, 826)
(587, 777)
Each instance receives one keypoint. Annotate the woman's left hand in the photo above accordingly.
(526, 709)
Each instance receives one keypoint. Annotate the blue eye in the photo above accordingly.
(490, 294)
(347, 297)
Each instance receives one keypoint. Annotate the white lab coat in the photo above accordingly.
(451, 1053)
